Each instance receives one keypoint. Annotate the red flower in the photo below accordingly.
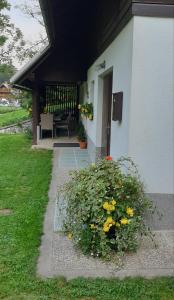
(108, 157)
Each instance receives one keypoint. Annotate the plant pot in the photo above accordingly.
(83, 145)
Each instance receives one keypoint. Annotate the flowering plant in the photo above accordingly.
(105, 207)
(30, 111)
(86, 110)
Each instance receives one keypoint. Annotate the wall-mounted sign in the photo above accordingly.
(117, 106)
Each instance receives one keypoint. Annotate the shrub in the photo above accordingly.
(105, 207)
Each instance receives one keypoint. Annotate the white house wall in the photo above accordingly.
(142, 59)
(118, 57)
(151, 135)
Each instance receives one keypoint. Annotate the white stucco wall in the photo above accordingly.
(151, 135)
(118, 57)
(142, 59)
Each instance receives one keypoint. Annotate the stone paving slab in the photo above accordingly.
(69, 159)
(59, 258)
(148, 261)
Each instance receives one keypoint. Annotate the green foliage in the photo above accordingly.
(2, 40)
(6, 71)
(13, 117)
(106, 204)
(6, 109)
(11, 38)
(4, 20)
(81, 133)
(25, 99)
(31, 9)
(4, 4)
(24, 181)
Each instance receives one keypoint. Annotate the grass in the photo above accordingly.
(5, 109)
(24, 181)
(13, 117)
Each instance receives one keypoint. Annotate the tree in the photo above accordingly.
(6, 71)
(23, 96)
(32, 10)
(3, 21)
(11, 38)
(12, 44)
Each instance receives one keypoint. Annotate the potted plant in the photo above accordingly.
(86, 110)
(81, 134)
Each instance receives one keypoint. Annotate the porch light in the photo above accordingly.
(101, 66)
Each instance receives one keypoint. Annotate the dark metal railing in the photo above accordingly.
(61, 99)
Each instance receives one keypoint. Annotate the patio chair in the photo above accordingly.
(64, 124)
(47, 123)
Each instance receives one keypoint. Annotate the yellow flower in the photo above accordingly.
(117, 224)
(108, 224)
(109, 220)
(92, 226)
(106, 228)
(113, 202)
(70, 235)
(108, 207)
(111, 207)
(124, 221)
(105, 205)
(130, 211)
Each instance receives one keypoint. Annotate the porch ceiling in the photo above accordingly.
(75, 30)
(75, 27)
(79, 31)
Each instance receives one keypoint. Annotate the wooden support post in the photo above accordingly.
(35, 113)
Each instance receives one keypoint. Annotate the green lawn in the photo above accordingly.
(13, 117)
(24, 181)
(5, 109)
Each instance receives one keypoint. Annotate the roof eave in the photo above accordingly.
(20, 76)
(48, 21)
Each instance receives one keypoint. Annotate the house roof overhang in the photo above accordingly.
(26, 72)
(48, 20)
(79, 31)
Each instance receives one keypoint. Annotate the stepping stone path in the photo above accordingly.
(5, 212)
(57, 254)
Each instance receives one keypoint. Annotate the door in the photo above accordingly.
(106, 116)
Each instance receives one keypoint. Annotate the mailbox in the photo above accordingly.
(117, 106)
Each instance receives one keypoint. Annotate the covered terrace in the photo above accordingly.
(78, 32)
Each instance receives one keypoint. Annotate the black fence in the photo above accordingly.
(61, 99)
